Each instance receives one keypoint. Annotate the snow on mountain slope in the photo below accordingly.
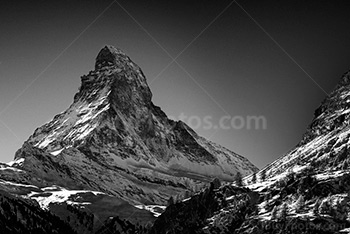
(76, 123)
(55, 194)
(295, 201)
(155, 209)
(326, 141)
(84, 210)
(17, 162)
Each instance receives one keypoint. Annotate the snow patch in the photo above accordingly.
(57, 152)
(57, 194)
(17, 184)
(154, 209)
(18, 161)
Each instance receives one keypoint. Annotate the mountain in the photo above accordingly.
(307, 190)
(113, 159)
(115, 140)
(114, 163)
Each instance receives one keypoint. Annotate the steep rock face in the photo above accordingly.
(325, 145)
(333, 113)
(114, 139)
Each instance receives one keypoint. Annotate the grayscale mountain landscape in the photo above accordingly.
(113, 162)
(174, 117)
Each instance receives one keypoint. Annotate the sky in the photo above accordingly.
(234, 61)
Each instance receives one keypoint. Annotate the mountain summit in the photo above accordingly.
(113, 139)
(110, 55)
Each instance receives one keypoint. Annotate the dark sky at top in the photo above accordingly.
(229, 65)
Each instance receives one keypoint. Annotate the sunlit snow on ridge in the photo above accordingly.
(18, 161)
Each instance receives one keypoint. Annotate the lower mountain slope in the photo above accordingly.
(303, 200)
(25, 216)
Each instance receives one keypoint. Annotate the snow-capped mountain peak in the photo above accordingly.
(113, 130)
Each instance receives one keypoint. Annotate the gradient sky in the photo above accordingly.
(236, 68)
